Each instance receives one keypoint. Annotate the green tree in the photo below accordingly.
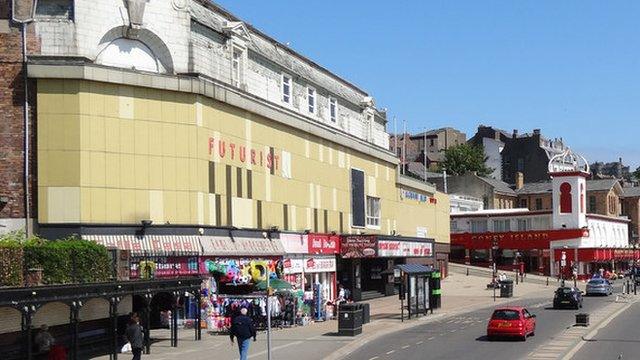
(636, 174)
(464, 158)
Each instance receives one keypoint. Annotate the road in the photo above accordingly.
(463, 336)
(620, 339)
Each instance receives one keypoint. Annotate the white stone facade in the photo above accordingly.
(195, 36)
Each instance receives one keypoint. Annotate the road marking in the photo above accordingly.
(420, 342)
(454, 330)
(406, 346)
(373, 358)
(431, 338)
(390, 352)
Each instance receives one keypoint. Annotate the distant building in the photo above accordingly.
(631, 209)
(464, 203)
(411, 148)
(616, 170)
(510, 154)
(603, 196)
(495, 194)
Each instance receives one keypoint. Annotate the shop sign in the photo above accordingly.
(295, 243)
(166, 266)
(357, 246)
(226, 148)
(412, 195)
(523, 240)
(323, 244)
(292, 266)
(396, 248)
(241, 246)
(312, 265)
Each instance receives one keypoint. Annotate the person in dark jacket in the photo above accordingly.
(134, 336)
(242, 328)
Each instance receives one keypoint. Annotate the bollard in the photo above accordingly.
(547, 281)
(635, 288)
(467, 271)
(628, 290)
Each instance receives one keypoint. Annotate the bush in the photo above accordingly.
(11, 263)
(65, 261)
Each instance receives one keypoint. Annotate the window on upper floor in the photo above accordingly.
(523, 203)
(592, 204)
(454, 225)
(478, 226)
(520, 164)
(373, 211)
(431, 142)
(311, 100)
(524, 224)
(236, 67)
(538, 204)
(333, 109)
(502, 225)
(286, 88)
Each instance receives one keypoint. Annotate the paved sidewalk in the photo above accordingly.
(461, 294)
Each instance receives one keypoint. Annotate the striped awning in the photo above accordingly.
(150, 245)
(241, 246)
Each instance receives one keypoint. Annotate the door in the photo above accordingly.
(528, 320)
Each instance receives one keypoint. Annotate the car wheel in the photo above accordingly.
(523, 338)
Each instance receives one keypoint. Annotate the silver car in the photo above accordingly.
(599, 287)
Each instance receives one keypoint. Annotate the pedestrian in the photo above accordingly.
(242, 329)
(44, 340)
(134, 336)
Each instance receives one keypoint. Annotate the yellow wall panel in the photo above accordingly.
(127, 171)
(155, 138)
(128, 212)
(168, 138)
(169, 173)
(98, 205)
(63, 168)
(141, 171)
(142, 205)
(113, 213)
(43, 204)
(97, 165)
(112, 135)
(170, 206)
(141, 133)
(183, 207)
(112, 170)
(155, 172)
(85, 204)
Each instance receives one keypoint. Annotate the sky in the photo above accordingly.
(570, 68)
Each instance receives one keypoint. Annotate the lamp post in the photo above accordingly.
(23, 12)
(494, 247)
(563, 263)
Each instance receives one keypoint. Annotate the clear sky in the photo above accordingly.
(570, 68)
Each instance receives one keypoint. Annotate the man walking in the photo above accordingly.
(134, 336)
(242, 328)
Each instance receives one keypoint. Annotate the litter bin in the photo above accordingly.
(350, 320)
(366, 313)
(582, 319)
(506, 288)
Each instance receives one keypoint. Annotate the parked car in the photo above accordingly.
(599, 286)
(567, 297)
(511, 322)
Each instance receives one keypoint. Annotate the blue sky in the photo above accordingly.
(570, 68)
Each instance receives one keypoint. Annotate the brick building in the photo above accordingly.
(603, 196)
(12, 130)
(631, 209)
(495, 194)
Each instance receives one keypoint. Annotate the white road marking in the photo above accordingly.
(373, 358)
(420, 342)
(406, 346)
(390, 352)
(454, 330)
(431, 338)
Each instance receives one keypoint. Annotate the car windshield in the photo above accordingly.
(596, 282)
(506, 315)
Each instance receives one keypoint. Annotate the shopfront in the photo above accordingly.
(367, 262)
(310, 265)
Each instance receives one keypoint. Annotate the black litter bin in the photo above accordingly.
(350, 320)
(582, 319)
(366, 313)
(506, 288)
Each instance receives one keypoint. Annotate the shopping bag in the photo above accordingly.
(126, 348)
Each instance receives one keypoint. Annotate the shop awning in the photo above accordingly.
(414, 268)
(241, 246)
(150, 245)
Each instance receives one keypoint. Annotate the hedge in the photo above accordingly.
(63, 261)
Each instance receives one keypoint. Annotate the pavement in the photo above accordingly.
(454, 331)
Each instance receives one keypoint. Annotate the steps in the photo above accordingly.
(371, 294)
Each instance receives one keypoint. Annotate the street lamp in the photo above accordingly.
(23, 12)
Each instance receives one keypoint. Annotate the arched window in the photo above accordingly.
(129, 54)
(565, 198)
(581, 198)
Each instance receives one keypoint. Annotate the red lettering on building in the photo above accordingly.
(243, 153)
(253, 157)
(232, 147)
(221, 148)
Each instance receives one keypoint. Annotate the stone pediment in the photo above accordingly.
(237, 29)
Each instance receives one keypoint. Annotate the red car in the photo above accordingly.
(511, 321)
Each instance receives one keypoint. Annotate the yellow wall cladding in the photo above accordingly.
(116, 154)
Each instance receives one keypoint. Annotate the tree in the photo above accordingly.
(464, 158)
(636, 174)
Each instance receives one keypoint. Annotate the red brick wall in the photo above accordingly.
(11, 122)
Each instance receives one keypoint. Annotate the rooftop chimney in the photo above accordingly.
(515, 133)
(536, 131)
(519, 180)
